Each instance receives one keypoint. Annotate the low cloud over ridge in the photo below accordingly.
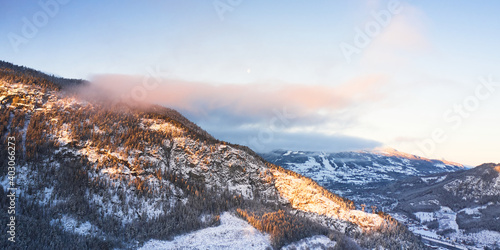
(241, 113)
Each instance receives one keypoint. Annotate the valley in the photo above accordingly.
(442, 201)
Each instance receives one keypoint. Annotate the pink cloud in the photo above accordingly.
(252, 99)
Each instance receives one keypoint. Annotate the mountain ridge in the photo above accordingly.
(130, 175)
(394, 152)
(355, 172)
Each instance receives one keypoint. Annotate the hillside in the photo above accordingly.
(93, 173)
(442, 200)
(462, 206)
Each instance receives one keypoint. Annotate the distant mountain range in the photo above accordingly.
(447, 203)
(352, 173)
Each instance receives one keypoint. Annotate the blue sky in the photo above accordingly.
(403, 89)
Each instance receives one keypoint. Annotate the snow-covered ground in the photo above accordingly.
(304, 195)
(311, 243)
(447, 220)
(70, 224)
(359, 168)
(232, 233)
(485, 238)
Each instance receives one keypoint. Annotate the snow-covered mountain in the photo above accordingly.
(463, 206)
(445, 202)
(95, 173)
(353, 173)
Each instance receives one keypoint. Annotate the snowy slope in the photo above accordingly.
(462, 206)
(232, 233)
(311, 243)
(442, 200)
(351, 173)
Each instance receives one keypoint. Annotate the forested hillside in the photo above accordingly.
(92, 173)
